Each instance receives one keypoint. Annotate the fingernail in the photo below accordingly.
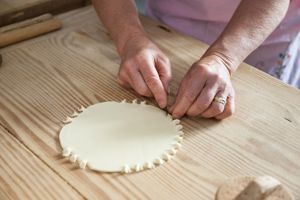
(161, 104)
(176, 115)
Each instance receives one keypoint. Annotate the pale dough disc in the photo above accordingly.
(114, 137)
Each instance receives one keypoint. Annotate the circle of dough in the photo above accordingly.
(111, 135)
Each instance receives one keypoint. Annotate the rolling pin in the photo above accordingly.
(30, 29)
(253, 188)
(25, 23)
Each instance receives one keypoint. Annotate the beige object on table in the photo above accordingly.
(12, 11)
(103, 138)
(25, 23)
(44, 79)
(253, 188)
(28, 29)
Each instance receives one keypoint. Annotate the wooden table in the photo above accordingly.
(45, 79)
(17, 10)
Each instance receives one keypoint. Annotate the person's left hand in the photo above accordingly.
(206, 81)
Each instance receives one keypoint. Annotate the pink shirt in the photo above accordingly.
(206, 19)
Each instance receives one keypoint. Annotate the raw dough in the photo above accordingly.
(114, 137)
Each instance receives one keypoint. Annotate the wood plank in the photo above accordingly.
(47, 78)
(12, 11)
(24, 176)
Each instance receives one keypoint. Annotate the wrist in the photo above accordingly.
(133, 34)
(223, 57)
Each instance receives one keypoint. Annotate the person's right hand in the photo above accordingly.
(145, 69)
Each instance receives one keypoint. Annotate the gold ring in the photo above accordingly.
(220, 100)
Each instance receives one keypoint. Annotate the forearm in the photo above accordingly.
(251, 24)
(120, 17)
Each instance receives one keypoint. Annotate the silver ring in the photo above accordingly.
(220, 100)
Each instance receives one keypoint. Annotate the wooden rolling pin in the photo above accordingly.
(28, 29)
(253, 188)
(25, 23)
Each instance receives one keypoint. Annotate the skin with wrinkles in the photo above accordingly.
(146, 69)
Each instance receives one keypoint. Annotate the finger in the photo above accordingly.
(122, 80)
(229, 109)
(188, 92)
(154, 83)
(137, 82)
(216, 108)
(163, 67)
(203, 101)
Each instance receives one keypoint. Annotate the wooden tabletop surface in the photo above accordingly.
(45, 79)
(17, 10)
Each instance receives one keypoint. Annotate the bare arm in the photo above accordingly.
(251, 24)
(120, 18)
(144, 67)
(147, 70)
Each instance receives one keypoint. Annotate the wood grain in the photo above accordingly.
(12, 11)
(25, 23)
(24, 176)
(45, 79)
(25, 33)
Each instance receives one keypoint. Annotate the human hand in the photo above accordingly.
(145, 69)
(207, 79)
